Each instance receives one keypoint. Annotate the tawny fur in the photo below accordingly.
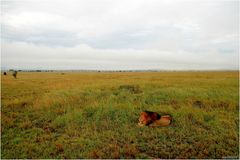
(153, 119)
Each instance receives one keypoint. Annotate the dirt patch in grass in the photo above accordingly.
(198, 104)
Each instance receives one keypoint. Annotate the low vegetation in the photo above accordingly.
(95, 115)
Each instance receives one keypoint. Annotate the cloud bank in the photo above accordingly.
(126, 34)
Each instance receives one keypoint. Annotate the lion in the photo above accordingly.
(153, 119)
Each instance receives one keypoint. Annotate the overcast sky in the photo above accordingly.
(120, 34)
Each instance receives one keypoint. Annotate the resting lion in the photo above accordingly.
(153, 119)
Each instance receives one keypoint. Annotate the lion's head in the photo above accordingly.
(147, 118)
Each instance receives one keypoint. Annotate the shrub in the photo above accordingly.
(131, 88)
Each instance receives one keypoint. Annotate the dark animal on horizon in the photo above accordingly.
(14, 74)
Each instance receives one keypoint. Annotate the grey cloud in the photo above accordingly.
(43, 37)
(158, 34)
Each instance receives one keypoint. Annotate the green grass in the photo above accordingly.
(95, 115)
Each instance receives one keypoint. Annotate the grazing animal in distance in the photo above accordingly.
(153, 119)
(15, 74)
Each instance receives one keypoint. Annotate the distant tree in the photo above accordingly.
(5, 73)
(14, 74)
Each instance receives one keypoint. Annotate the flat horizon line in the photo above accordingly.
(116, 70)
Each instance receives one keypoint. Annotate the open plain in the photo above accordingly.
(95, 114)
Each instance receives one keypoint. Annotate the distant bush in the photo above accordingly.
(131, 88)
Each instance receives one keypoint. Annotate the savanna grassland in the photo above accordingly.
(95, 115)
